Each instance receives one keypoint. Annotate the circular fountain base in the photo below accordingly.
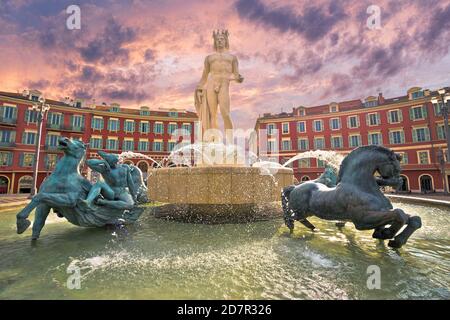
(218, 194)
(219, 213)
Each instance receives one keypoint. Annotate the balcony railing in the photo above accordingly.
(10, 121)
(8, 144)
(65, 127)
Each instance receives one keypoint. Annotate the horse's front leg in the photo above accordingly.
(41, 215)
(22, 221)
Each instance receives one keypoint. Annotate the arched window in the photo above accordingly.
(426, 183)
(25, 184)
(405, 184)
(4, 185)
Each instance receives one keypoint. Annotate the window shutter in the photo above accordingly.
(27, 116)
(391, 137)
(14, 113)
(83, 119)
(414, 134)
(369, 138)
(378, 118)
(2, 111)
(427, 134)
(12, 137)
(10, 158)
(402, 136)
(62, 119)
(380, 139)
(21, 160)
(24, 138)
(389, 115)
(400, 115)
(367, 119)
(411, 114)
(425, 111)
(348, 122)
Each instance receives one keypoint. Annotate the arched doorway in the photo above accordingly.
(426, 183)
(305, 178)
(143, 165)
(4, 185)
(405, 184)
(25, 184)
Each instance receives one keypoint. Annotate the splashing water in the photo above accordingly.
(131, 154)
(332, 158)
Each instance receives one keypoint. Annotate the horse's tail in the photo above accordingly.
(288, 213)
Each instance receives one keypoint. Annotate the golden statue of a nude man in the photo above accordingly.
(213, 91)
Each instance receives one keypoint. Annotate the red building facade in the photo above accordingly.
(410, 125)
(106, 127)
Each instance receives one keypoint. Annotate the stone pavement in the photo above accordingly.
(10, 201)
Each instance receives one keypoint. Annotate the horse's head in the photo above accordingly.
(73, 148)
(374, 159)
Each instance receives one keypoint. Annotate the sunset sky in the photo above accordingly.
(290, 53)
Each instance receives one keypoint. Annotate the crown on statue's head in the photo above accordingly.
(224, 33)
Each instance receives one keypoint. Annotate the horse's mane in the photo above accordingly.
(356, 153)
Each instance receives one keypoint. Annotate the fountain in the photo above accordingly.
(218, 184)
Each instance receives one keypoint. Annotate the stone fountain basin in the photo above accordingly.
(218, 194)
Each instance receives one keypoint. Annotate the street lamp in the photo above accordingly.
(41, 108)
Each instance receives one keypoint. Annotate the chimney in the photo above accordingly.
(380, 98)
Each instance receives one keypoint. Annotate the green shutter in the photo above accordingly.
(411, 113)
(391, 137)
(24, 137)
(400, 115)
(427, 134)
(27, 116)
(402, 136)
(414, 134)
(425, 111)
(21, 159)
(378, 118)
(369, 138)
(367, 119)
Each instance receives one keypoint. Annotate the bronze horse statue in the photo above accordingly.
(356, 197)
(64, 189)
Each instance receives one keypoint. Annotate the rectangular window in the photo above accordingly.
(50, 161)
(6, 158)
(394, 116)
(129, 126)
(29, 138)
(128, 145)
(354, 141)
(97, 123)
(31, 116)
(270, 128)
(171, 127)
(318, 125)
(417, 94)
(303, 144)
(55, 119)
(285, 128)
(78, 121)
(440, 131)
(157, 146)
(112, 144)
(373, 119)
(96, 143)
(171, 145)
(421, 134)
(271, 145)
(301, 127)
(423, 157)
(144, 127)
(159, 127)
(404, 158)
(304, 163)
(418, 113)
(143, 145)
(187, 128)
(52, 140)
(286, 144)
(27, 160)
(7, 136)
(353, 122)
(319, 143)
(396, 137)
(320, 163)
(9, 112)
(336, 142)
(375, 138)
(113, 125)
(438, 109)
(335, 124)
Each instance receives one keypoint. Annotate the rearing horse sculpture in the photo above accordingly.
(356, 197)
(64, 189)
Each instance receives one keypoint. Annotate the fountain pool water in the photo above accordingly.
(172, 260)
